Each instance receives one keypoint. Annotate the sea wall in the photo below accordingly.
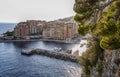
(52, 54)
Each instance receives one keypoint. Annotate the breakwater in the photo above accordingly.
(52, 54)
(13, 64)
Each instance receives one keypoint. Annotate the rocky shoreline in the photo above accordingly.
(111, 65)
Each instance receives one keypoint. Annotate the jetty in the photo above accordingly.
(52, 54)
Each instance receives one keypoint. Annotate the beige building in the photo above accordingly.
(31, 27)
(52, 29)
(21, 30)
(56, 30)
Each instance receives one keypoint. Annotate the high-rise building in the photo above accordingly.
(57, 30)
(54, 29)
(31, 27)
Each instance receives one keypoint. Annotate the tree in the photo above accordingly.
(8, 33)
(101, 19)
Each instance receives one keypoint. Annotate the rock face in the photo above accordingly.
(111, 65)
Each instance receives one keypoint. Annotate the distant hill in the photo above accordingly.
(6, 27)
(66, 20)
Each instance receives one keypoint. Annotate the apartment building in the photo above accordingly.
(31, 27)
(53, 29)
(57, 30)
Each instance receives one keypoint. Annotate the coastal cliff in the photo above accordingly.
(111, 65)
(102, 59)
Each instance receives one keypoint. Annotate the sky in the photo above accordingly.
(22, 10)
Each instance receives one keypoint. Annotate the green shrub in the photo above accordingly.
(99, 67)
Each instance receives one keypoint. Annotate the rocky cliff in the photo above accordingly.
(111, 65)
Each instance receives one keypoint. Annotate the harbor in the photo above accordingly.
(14, 64)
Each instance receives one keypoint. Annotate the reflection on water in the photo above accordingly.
(13, 64)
